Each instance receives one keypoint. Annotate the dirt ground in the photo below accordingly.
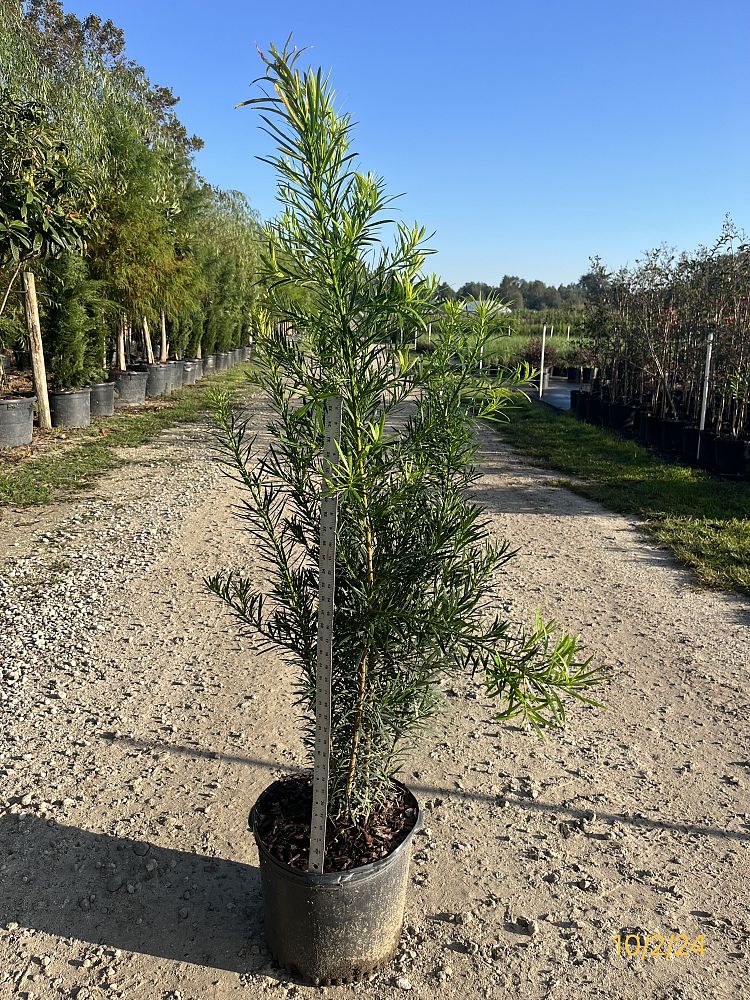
(139, 727)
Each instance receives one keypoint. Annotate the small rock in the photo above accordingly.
(403, 983)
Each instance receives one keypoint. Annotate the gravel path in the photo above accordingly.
(138, 728)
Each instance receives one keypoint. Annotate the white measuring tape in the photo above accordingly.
(326, 589)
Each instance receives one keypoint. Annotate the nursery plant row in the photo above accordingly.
(671, 338)
(678, 439)
(125, 389)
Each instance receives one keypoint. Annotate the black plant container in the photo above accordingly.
(103, 399)
(653, 431)
(16, 421)
(575, 395)
(587, 374)
(574, 374)
(671, 435)
(209, 365)
(582, 411)
(223, 361)
(594, 415)
(198, 362)
(70, 407)
(130, 388)
(622, 418)
(338, 927)
(732, 456)
(188, 373)
(157, 381)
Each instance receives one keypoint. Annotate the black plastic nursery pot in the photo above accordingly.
(198, 362)
(223, 361)
(622, 418)
(157, 381)
(6, 364)
(246, 353)
(130, 388)
(70, 407)
(732, 456)
(176, 369)
(338, 927)
(707, 457)
(188, 373)
(582, 411)
(209, 364)
(575, 395)
(103, 399)
(236, 355)
(16, 421)
(653, 431)
(587, 374)
(594, 412)
(574, 374)
(671, 435)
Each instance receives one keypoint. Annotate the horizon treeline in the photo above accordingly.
(520, 294)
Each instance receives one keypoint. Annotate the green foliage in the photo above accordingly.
(703, 520)
(416, 569)
(74, 330)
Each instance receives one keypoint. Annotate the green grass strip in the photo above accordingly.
(58, 470)
(704, 521)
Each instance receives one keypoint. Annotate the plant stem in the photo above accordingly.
(8, 290)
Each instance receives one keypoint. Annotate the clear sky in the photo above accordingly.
(528, 135)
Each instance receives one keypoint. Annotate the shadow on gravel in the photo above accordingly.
(577, 816)
(129, 894)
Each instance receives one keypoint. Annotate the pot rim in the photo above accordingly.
(361, 873)
(19, 397)
(67, 392)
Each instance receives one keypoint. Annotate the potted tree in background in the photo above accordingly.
(415, 566)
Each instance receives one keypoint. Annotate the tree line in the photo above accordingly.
(101, 199)
(520, 294)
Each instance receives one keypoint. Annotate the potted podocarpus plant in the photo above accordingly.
(414, 564)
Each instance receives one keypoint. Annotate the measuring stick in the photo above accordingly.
(326, 588)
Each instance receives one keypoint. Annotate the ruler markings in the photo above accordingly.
(324, 666)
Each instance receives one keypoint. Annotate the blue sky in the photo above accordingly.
(529, 136)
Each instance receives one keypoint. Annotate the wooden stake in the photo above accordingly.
(147, 342)
(37, 351)
(164, 345)
(121, 345)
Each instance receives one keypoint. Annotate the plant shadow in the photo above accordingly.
(131, 895)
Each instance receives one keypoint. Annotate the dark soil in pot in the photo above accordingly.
(340, 926)
(70, 407)
(103, 399)
(16, 421)
(284, 827)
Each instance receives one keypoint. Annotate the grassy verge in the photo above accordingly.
(703, 520)
(69, 460)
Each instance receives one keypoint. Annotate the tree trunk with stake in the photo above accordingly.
(147, 342)
(164, 345)
(36, 349)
